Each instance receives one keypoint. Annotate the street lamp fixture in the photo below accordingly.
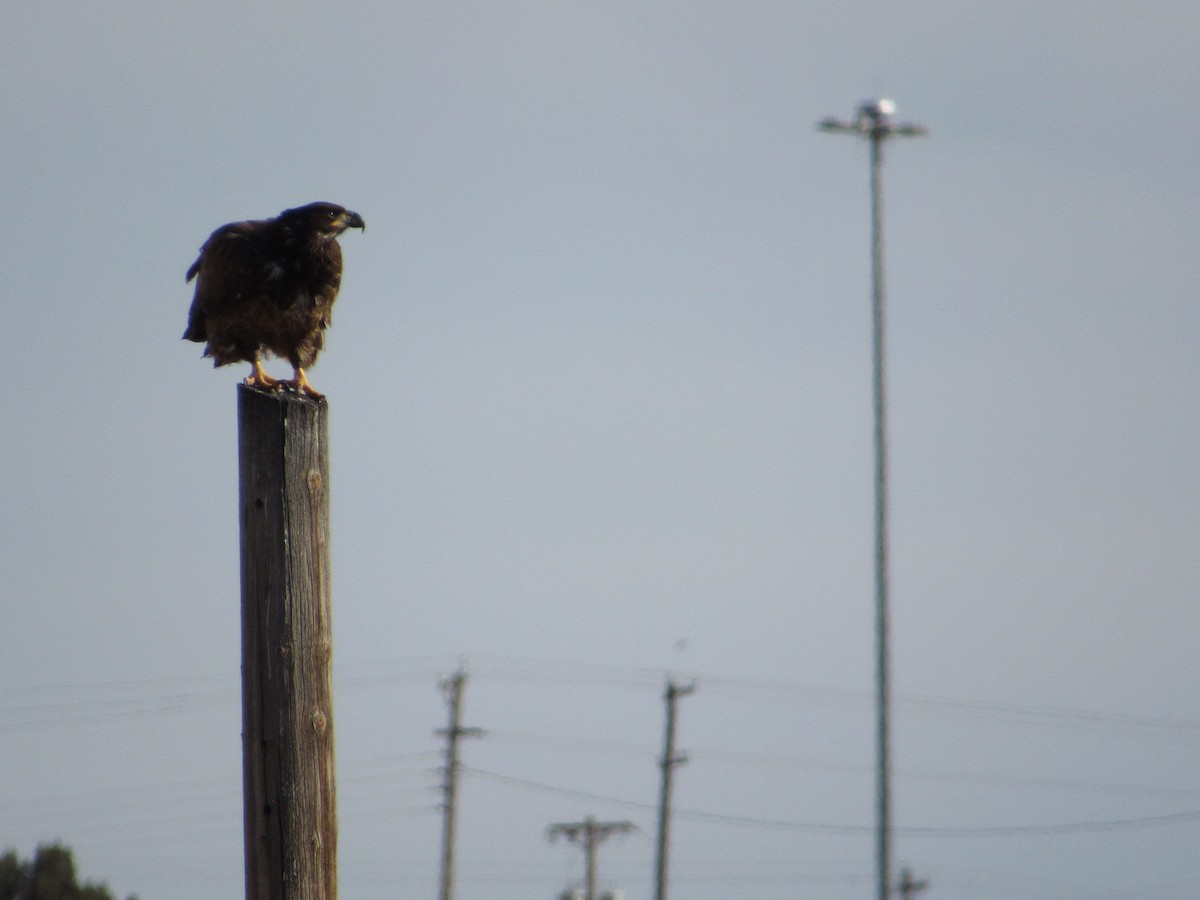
(874, 119)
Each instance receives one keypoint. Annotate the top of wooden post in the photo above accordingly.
(281, 397)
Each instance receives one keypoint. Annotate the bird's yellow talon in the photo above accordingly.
(260, 379)
(300, 385)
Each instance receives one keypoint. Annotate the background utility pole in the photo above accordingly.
(453, 686)
(909, 886)
(589, 834)
(874, 122)
(670, 759)
(290, 814)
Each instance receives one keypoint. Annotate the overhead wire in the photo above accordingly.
(1177, 818)
(154, 696)
(85, 702)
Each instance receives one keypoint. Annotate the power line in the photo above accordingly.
(150, 697)
(1178, 818)
(739, 758)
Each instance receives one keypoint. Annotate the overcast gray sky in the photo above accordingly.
(599, 387)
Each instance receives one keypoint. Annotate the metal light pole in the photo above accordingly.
(874, 122)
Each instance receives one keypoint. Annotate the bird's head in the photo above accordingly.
(326, 220)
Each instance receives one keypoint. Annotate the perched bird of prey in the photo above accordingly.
(269, 285)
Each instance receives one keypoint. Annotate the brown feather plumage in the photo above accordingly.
(269, 286)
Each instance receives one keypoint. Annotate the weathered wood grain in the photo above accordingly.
(287, 689)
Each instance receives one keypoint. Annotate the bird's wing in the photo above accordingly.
(228, 271)
(332, 277)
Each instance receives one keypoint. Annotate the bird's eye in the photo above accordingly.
(332, 214)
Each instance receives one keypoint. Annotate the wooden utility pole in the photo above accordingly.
(589, 834)
(670, 759)
(909, 886)
(287, 689)
(453, 686)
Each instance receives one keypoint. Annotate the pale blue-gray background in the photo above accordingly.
(599, 386)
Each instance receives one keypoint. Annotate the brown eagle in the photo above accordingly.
(269, 285)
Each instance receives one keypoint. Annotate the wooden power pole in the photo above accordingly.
(290, 813)
(453, 686)
(589, 835)
(670, 759)
(909, 886)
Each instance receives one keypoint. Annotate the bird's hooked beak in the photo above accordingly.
(354, 220)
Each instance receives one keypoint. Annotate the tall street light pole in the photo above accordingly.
(874, 121)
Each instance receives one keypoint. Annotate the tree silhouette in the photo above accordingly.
(50, 875)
